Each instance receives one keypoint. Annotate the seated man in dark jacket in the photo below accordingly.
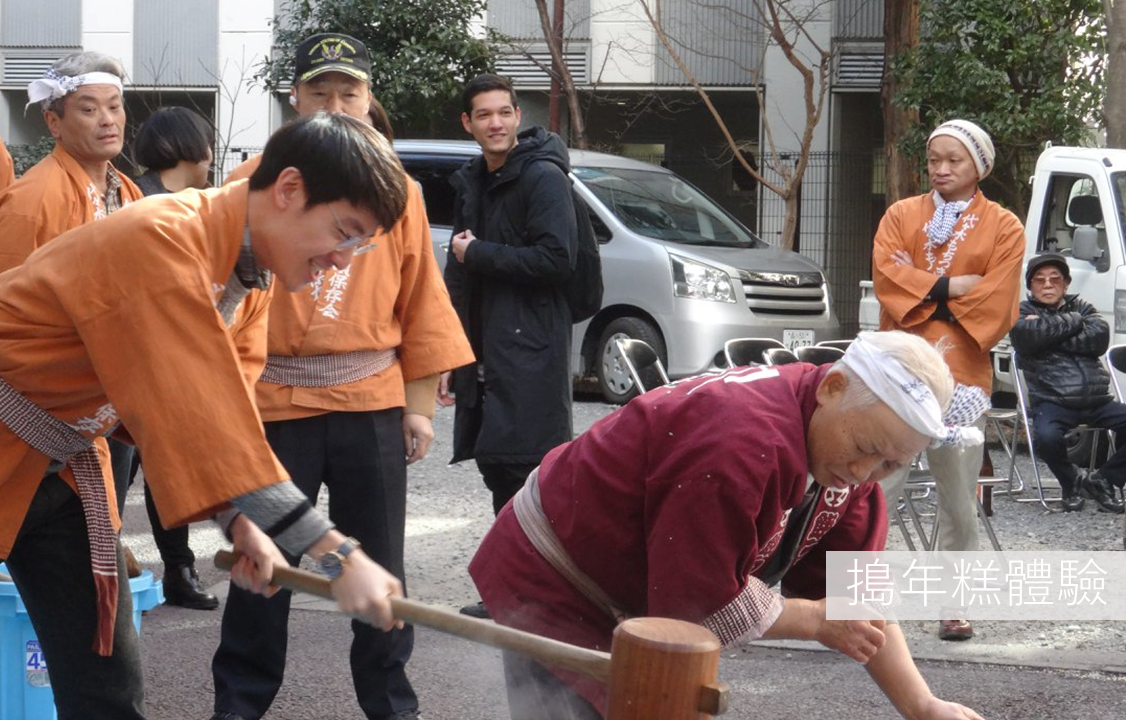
(1060, 340)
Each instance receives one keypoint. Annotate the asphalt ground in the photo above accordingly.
(1013, 671)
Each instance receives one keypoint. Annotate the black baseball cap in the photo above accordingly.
(331, 52)
(1059, 261)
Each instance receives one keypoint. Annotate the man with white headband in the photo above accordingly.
(81, 100)
(946, 265)
(711, 491)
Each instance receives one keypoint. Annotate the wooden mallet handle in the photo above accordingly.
(552, 652)
(592, 663)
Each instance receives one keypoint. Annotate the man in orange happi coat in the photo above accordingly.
(80, 96)
(127, 320)
(947, 265)
(347, 398)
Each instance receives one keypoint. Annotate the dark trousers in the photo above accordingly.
(504, 481)
(535, 693)
(360, 458)
(172, 544)
(1051, 422)
(50, 565)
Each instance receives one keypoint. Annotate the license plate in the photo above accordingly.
(794, 339)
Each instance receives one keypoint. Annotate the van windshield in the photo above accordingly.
(665, 207)
(1118, 179)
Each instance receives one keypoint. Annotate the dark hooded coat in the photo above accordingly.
(509, 296)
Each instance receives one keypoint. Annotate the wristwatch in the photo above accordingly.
(332, 563)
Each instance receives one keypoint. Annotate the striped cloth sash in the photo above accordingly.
(529, 513)
(315, 371)
(62, 443)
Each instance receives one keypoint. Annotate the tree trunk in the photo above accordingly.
(1114, 105)
(553, 34)
(790, 223)
(901, 32)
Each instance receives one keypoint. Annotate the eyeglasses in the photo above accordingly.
(358, 244)
(1049, 280)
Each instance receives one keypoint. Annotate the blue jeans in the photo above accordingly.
(50, 565)
(1051, 422)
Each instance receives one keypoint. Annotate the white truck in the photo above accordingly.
(1077, 209)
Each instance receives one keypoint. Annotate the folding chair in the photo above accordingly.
(779, 356)
(640, 358)
(1025, 407)
(919, 486)
(1007, 422)
(838, 344)
(819, 354)
(1115, 359)
(748, 351)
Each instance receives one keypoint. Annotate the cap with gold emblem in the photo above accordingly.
(331, 52)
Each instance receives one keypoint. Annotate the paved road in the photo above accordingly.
(1016, 673)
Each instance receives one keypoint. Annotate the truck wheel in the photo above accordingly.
(613, 378)
(1079, 448)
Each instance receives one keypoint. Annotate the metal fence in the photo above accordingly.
(842, 199)
(231, 158)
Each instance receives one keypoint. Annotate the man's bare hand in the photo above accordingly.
(936, 709)
(259, 555)
(901, 258)
(459, 243)
(364, 591)
(418, 433)
(858, 639)
(444, 398)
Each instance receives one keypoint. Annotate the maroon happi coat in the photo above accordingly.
(675, 505)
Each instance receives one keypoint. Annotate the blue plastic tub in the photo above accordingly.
(25, 689)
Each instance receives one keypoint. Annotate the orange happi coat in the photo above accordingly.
(390, 297)
(51, 198)
(116, 320)
(988, 241)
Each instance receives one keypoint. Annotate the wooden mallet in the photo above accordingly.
(656, 667)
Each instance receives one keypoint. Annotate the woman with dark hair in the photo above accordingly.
(174, 147)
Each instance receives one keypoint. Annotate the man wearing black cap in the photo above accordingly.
(346, 398)
(1060, 340)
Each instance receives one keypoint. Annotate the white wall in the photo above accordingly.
(621, 43)
(785, 114)
(107, 27)
(245, 40)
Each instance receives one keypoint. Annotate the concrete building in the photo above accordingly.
(640, 104)
(637, 102)
(196, 53)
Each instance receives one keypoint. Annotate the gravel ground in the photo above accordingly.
(449, 510)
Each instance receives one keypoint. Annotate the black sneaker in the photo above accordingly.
(477, 610)
(1099, 489)
(1072, 500)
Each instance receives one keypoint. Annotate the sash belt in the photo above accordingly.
(315, 371)
(62, 443)
(529, 513)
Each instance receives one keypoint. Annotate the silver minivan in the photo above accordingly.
(679, 271)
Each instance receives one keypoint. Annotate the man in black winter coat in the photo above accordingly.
(515, 247)
(1060, 340)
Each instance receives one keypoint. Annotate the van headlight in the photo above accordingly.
(691, 279)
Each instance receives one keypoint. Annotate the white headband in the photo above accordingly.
(54, 86)
(912, 400)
